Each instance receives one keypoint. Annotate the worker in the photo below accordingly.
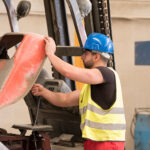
(100, 100)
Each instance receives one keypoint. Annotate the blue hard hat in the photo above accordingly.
(99, 42)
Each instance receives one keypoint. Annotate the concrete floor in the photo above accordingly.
(56, 147)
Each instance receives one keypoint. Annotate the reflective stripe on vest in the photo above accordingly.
(98, 124)
(103, 126)
(101, 112)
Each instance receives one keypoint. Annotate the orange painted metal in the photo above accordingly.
(23, 70)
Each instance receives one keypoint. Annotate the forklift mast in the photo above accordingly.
(99, 20)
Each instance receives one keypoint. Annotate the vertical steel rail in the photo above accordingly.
(64, 39)
(102, 21)
(78, 23)
(51, 19)
(58, 28)
(11, 15)
(89, 26)
(110, 29)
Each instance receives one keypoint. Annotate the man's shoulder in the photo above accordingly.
(105, 69)
(107, 73)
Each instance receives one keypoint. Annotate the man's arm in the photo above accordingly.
(56, 98)
(90, 76)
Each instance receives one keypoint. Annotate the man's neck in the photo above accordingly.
(99, 64)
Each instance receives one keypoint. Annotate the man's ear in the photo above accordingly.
(97, 56)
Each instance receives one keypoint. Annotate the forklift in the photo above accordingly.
(51, 124)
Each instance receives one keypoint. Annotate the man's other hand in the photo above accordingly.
(37, 90)
(50, 47)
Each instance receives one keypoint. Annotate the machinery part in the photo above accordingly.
(13, 142)
(133, 122)
(56, 18)
(3, 131)
(11, 15)
(58, 29)
(44, 75)
(3, 147)
(85, 7)
(7, 41)
(100, 21)
(29, 97)
(142, 129)
(23, 9)
(22, 142)
(28, 64)
(68, 51)
(101, 17)
(36, 128)
(37, 111)
(63, 120)
(57, 25)
(74, 9)
(39, 138)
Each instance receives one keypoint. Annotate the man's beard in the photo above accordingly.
(88, 64)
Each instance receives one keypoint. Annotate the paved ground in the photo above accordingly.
(56, 147)
(65, 140)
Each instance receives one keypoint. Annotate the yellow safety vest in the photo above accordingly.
(98, 124)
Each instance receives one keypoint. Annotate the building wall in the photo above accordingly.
(130, 23)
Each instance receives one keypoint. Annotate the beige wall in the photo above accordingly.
(130, 23)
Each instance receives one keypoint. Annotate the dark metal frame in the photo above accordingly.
(11, 15)
(100, 21)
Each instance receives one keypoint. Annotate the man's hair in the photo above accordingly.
(104, 59)
(104, 56)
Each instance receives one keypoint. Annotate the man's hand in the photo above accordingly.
(50, 47)
(37, 90)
